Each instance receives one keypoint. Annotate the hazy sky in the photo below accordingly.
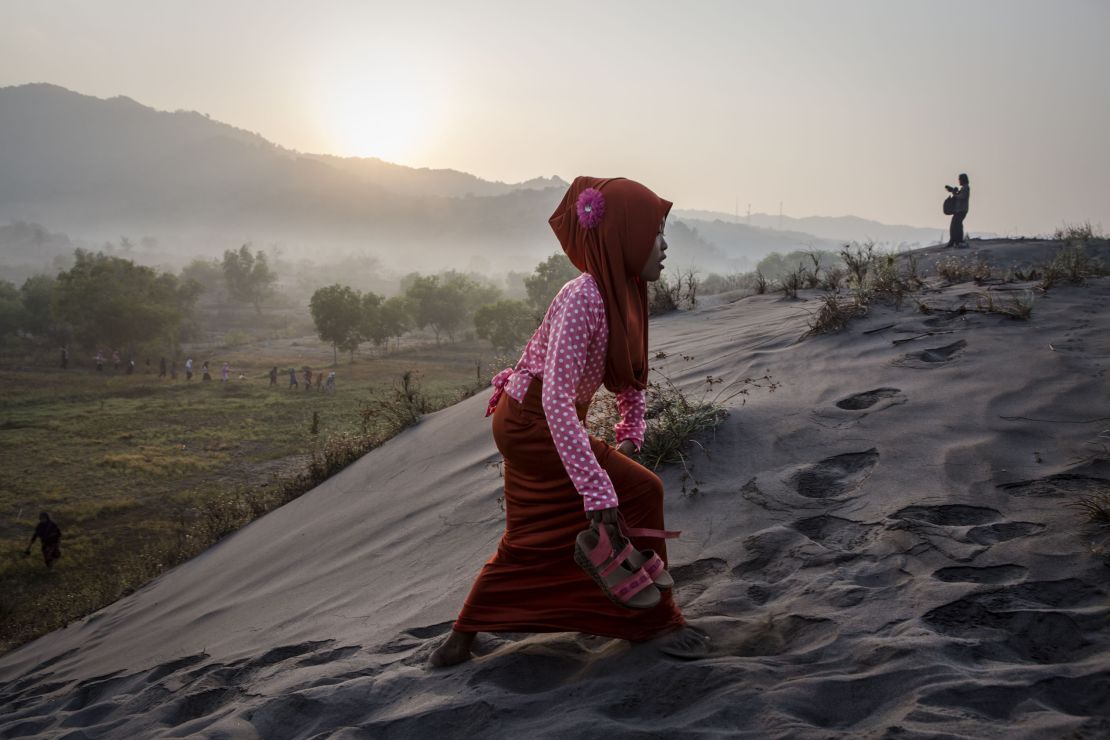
(830, 107)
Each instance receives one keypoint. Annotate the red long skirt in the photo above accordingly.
(532, 584)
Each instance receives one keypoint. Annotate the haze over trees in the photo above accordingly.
(549, 276)
(101, 300)
(248, 276)
(506, 324)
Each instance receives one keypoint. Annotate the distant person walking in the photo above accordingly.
(115, 360)
(99, 360)
(307, 378)
(65, 358)
(51, 537)
(188, 368)
(319, 381)
(205, 373)
(130, 365)
(960, 198)
(273, 375)
(329, 387)
(292, 377)
(173, 369)
(225, 372)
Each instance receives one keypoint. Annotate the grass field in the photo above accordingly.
(135, 468)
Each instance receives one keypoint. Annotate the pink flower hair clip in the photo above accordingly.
(591, 207)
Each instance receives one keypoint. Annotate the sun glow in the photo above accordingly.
(389, 113)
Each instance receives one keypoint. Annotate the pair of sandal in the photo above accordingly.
(629, 577)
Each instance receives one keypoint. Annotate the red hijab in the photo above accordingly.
(614, 252)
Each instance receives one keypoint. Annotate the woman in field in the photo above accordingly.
(557, 478)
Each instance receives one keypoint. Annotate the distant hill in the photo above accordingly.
(834, 228)
(185, 185)
(746, 245)
(97, 169)
(411, 181)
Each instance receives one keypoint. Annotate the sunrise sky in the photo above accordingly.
(832, 108)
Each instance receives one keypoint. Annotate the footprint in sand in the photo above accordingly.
(692, 579)
(993, 574)
(867, 399)
(527, 671)
(932, 357)
(794, 634)
(1063, 484)
(834, 480)
(836, 533)
(949, 515)
(850, 410)
(1033, 622)
(835, 476)
(992, 534)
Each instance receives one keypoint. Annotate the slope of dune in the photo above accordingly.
(882, 547)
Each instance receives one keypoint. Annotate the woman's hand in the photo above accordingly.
(604, 516)
(628, 447)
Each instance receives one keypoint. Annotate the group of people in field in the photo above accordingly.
(323, 384)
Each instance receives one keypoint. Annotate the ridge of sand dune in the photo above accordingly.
(881, 547)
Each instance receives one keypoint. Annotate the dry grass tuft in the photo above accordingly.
(1018, 306)
(834, 314)
(675, 421)
(792, 282)
(963, 269)
(1079, 232)
(680, 291)
(1096, 507)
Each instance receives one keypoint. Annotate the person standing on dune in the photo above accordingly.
(595, 331)
(961, 198)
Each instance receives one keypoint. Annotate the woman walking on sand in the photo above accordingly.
(595, 330)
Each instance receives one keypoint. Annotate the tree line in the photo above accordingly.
(446, 304)
(108, 300)
(105, 300)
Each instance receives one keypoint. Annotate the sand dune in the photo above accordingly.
(879, 548)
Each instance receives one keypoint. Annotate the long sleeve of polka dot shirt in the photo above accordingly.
(570, 347)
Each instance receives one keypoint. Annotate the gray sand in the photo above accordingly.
(879, 548)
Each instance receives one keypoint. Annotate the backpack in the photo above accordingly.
(949, 205)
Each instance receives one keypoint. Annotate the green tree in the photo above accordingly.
(395, 316)
(37, 294)
(248, 276)
(208, 274)
(549, 277)
(374, 327)
(506, 324)
(475, 293)
(337, 313)
(11, 309)
(113, 300)
(435, 305)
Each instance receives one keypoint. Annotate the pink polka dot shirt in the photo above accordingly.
(568, 352)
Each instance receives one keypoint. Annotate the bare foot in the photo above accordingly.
(454, 650)
(685, 642)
